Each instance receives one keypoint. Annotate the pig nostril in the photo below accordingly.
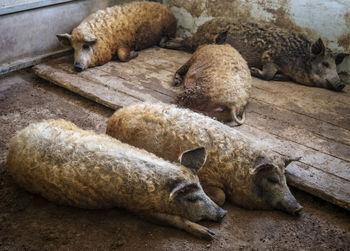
(78, 68)
(339, 87)
(298, 210)
(222, 214)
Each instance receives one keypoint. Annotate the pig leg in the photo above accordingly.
(176, 43)
(281, 77)
(184, 224)
(124, 54)
(180, 73)
(216, 194)
(268, 72)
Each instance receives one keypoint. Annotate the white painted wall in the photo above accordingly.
(328, 19)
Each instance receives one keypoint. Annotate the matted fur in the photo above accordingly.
(132, 26)
(269, 49)
(217, 77)
(71, 166)
(166, 130)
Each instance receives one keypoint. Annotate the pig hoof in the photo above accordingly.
(255, 72)
(133, 54)
(177, 80)
(210, 234)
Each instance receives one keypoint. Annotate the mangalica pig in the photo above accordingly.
(237, 168)
(216, 81)
(271, 52)
(71, 166)
(120, 30)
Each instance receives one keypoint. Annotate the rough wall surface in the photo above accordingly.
(328, 19)
(33, 32)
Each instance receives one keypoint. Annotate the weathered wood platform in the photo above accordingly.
(294, 120)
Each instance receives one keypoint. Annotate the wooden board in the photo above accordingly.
(292, 119)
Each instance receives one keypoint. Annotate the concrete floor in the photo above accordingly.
(29, 222)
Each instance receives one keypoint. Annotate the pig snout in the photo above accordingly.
(290, 205)
(336, 85)
(339, 86)
(216, 213)
(221, 214)
(78, 67)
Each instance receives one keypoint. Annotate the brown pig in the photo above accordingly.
(71, 166)
(272, 53)
(216, 81)
(120, 30)
(245, 172)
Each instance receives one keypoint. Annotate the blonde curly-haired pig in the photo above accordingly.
(216, 81)
(121, 30)
(237, 168)
(71, 166)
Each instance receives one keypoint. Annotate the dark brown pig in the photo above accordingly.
(272, 53)
(245, 172)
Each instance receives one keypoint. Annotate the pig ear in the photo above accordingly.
(340, 57)
(318, 48)
(194, 159)
(262, 164)
(90, 38)
(287, 161)
(64, 39)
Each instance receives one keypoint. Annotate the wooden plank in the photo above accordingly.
(105, 96)
(318, 160)
(97, 75)
(149, 76)
(282, 115)
(30, 61)
(334, 113)
(326, 186)
(320, 128)
(287, 130)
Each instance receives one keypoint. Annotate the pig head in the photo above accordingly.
(268, 188)
(88, 51)
(322, 67)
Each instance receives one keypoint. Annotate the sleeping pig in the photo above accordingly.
(120, 30)
(71, 166)
(216, 82)
(243, 171)
(272, 53)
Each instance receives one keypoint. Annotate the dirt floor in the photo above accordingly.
(29, 222)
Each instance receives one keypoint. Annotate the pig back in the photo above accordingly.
(221, 76)
(166, 131)
(70, 166)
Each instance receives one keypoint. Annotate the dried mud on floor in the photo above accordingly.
(29, 222)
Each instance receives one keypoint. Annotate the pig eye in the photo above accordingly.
(192, 199)
(272, 180)
(86, 46)
(325, 64)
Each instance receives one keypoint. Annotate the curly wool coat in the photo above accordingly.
(216, 76)
(121, 29)
(232, 158)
